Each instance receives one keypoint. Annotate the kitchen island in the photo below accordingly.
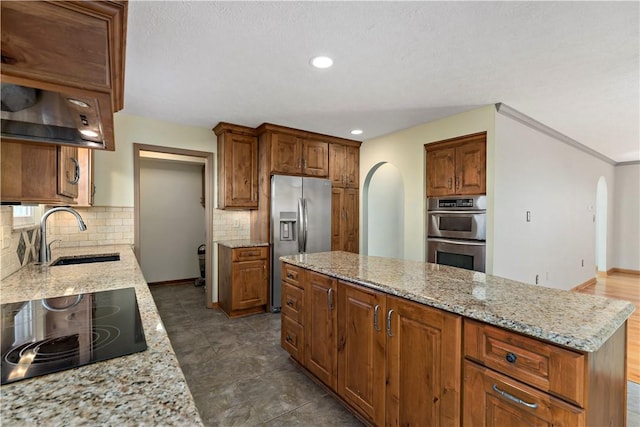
(388, 335)
(145, 388)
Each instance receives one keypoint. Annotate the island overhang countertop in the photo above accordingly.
(145, 388)
(570, 319)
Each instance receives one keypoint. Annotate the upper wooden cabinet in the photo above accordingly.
(75, 49)
(344, 165)
(345, 234)
(237, 167)
(457, 166)
(293, 155)
(78, 44)
(37, 173)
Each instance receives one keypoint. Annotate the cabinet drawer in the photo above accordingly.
(293, 302)
(542, 365)
(248, 254)
(492, 399)
(292, 338)
(291, 274)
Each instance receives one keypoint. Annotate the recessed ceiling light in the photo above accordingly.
(88, 132)
(322, 62)
(356, 132)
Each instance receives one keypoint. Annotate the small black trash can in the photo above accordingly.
(202, 250)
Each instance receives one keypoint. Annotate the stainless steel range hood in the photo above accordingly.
(36, 115)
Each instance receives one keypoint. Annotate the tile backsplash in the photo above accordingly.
(19, 247)
(105, 226)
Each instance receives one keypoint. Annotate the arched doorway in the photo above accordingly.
(601, 225)
(383, 212)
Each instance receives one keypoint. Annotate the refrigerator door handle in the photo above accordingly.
(300, 221)
(305, 224)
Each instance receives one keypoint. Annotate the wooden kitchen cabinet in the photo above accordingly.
(74, 44)
(292, 154)
(344, 165)
(237, 167)
(345, 220)
(243, 280)
(86, 186)
(361, 350)
(37, 173)
(423, 365)
(293, 312)
(457, 166)
(321, 327)
(511, 379)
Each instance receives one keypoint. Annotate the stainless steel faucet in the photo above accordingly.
(45, 250)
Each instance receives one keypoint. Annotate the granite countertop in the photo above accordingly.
(578, 321)
(241, 243)
(146, 388)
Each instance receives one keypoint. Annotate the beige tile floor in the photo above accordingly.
(240, 376)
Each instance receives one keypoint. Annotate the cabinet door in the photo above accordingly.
(423, 365)
(440, 172)
(241, 169)
(494, 400)
(361, 350)
(471, 168)
(352, 167)
(315, 158)
(249, 283)
(321, 327)
(337, 219)
(68, 171)
(86, 188)
(286, 156)
(351, 221)
(337, 162)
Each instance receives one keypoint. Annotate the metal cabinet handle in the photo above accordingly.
(290, 275)
(389, 323)
(511, 357)
(330, 298)
(76, 177)
(513, 398)
(288, 338)
(304, 163)
(457, 182)
(290, 303)
(375, 317)
(449, 183)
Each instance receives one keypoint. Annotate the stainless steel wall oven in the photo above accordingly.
(456, 231)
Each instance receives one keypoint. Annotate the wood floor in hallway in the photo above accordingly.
(624, 286)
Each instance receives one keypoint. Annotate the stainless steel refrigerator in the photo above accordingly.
(300, 222)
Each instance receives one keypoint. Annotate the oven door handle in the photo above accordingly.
(458, 242)
(457, 212)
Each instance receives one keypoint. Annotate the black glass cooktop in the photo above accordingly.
(48, 335)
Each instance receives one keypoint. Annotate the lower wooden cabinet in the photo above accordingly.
(243, 280)
(321, 326)
(293, 312)
(362, 344)
(495, 400)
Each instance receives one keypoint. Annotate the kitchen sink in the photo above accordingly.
(85, 259)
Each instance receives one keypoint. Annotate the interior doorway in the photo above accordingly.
(152, 153)
(383, 212)
(601, 225)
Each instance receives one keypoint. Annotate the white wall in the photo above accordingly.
(405, 150)
(113, 170)
(557, 183)
(384, 211)
(626, 251)
(172, 220)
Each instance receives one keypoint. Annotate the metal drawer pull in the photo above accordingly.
(330, 298)
(513, 398)
(375, 317)
(389, 323)
(511, 358)
(289, 275)
(290, 303)
(76, 177)
(289, 339)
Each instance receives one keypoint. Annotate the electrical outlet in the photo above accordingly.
(528, 216)
(236, 223)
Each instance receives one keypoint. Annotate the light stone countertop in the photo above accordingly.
(578, 321)
(146, 388)
(241, 243)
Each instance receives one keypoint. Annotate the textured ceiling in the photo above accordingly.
(574, 66)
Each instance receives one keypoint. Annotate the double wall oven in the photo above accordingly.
(457, 231)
